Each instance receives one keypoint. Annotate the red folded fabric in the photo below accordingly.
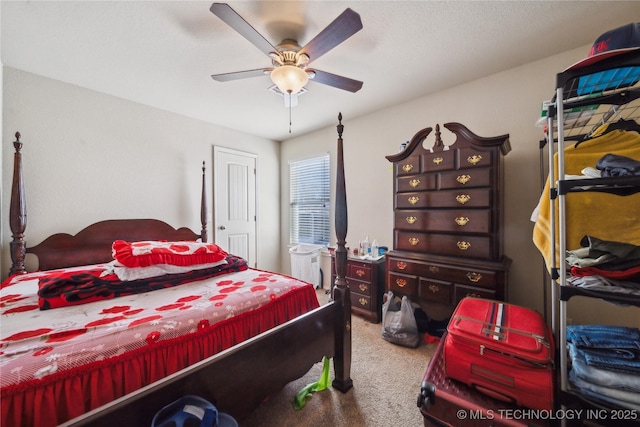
(430, 339)
(629, 273)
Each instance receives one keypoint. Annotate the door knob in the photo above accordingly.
(222, 227)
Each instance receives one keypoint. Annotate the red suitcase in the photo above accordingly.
(503, 350)
(445, 402)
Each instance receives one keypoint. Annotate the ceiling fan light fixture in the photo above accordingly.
(289, 78)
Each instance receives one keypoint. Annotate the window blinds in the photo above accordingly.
(310, 200)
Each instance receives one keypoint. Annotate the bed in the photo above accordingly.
(81, 346)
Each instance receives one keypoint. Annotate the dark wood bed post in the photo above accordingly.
(203, 208)
(342, 357)
(17, 213)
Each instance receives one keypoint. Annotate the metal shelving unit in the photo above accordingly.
(574, 113)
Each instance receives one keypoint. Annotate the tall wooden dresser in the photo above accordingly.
(447, 240)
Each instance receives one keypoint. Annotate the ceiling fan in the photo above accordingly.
(289, 71)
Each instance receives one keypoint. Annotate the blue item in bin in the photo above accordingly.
(192, 411)
(607, 80)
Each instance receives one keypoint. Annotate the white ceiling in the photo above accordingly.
(163, 53)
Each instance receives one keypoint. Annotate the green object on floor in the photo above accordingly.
(322, 383)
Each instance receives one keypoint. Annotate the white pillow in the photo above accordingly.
(137, 273)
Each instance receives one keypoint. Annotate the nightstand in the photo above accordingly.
(365, 279)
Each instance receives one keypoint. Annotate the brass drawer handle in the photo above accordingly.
(462, 221)
(434, 289)
(362, 301)
(414, 241)
(463, 179)
(360, 273)
(411, 219)
(474, 277)
(462, 245)
(433, 269)
(401, 282)
(362, 287)
(414, 183)
(407, 168)
(438, 160)
(401, 265)
(413, 200)
(463, 198)
(475, 159)
(474, 295)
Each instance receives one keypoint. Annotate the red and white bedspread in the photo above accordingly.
(68, 360)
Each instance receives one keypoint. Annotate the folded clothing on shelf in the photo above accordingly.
(605, 363)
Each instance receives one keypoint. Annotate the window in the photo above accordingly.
(310, 201)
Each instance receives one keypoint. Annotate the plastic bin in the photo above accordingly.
(305, 263)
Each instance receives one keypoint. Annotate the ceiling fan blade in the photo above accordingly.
(336, 81)
(343, 27)
(235, 21)
(225, 77)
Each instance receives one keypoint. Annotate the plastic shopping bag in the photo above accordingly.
(398, 322)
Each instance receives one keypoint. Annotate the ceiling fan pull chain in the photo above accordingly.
(289, 111)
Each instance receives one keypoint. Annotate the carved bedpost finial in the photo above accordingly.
(17, 144)
(340, 126)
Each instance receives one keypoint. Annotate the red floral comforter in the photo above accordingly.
(35, 344)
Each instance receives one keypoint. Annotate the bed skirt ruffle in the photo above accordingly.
(61, 396)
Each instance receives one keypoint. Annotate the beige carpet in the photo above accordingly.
(386, 383)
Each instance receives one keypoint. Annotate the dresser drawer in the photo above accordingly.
(456, 220)
(416, 183)
(403, 283)
(468, 291)
(402, 265)
(465, 178)
(444, 244)
(463, 275)
(410, 165)
(361, 288)
(473, 158)
(467, 198)
(362, 302)
(435, 290)
(359, 271)
(440, 161)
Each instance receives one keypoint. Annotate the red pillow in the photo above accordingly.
(147, 253)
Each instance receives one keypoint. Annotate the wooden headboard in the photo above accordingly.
(92, 245)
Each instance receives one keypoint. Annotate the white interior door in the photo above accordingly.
(235, 219)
